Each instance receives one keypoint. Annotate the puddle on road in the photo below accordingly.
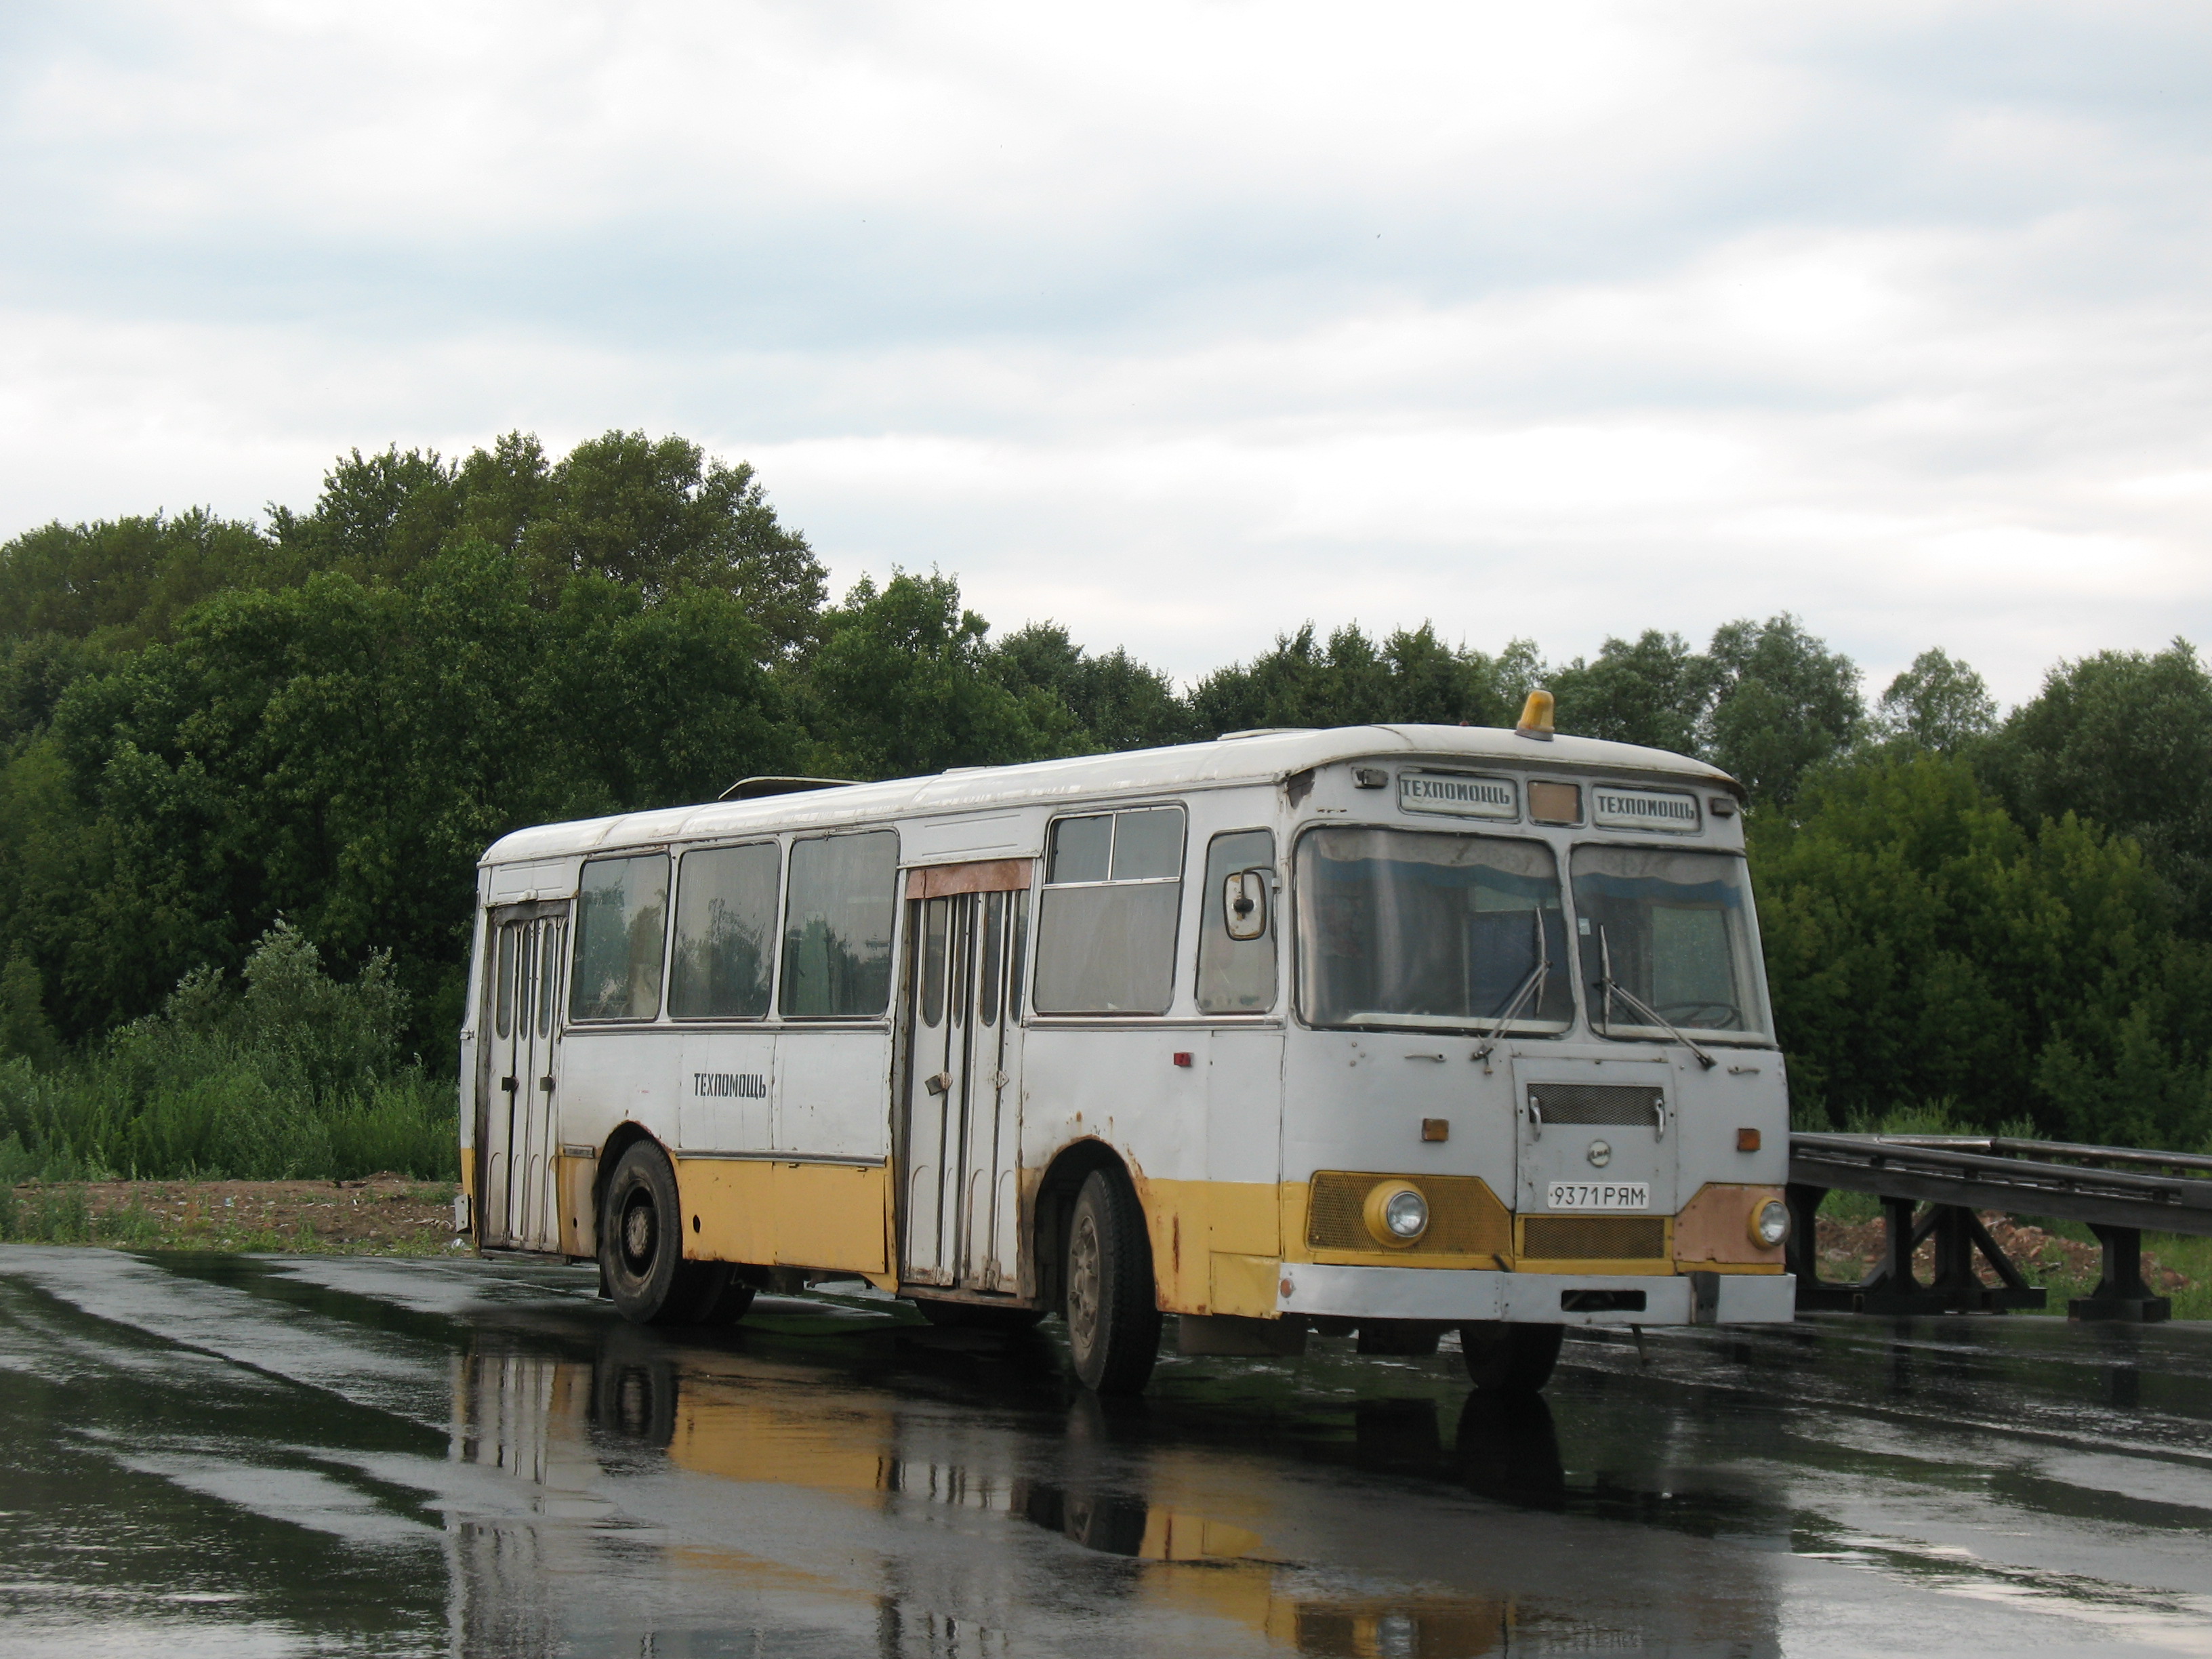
(521, 1474)
(1016, 1469)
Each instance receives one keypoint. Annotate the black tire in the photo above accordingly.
(1510, 1360)
(976, 1316)
(641, 1262)
(716, 1296)
(1112, 1310)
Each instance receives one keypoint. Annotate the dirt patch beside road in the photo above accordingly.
(382, 1215)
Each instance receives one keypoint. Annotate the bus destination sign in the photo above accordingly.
(1613, 808)
(1459, 793)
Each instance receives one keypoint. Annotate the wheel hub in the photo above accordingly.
(637, 1234)
(1084, 1290)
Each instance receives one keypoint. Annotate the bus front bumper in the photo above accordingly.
(1459, 1295)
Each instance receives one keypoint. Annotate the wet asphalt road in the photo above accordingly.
(248, 1455)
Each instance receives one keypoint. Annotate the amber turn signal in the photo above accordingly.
(1747, 1140)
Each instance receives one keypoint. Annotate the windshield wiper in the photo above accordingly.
(1613, 988)
(1527, 986)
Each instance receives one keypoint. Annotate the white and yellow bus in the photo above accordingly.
(1392, 1029)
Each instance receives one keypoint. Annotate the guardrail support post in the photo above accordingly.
(2121, 1293)
(1802, 1256)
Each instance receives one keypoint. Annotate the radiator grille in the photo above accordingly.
(1594, 1237)
(1628, 1104)
(1465, 1218)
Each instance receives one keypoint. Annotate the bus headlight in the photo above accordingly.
(1770, 1224)
(1396, 1214)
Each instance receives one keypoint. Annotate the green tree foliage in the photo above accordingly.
(1923, 946)
(2124, 738)
(121, 582)
(1938, 704)
(902, 685)
(1410, 677)
(277, 753)
(379, 516)
(655, 516)
(1655, 691)
(1783, 703)
(341, 753)
(25, 1032)
(301, 1075)
(1118, 701)
(1766, 702)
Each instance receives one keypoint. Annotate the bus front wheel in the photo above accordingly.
(1506, 1359)
(641, 1250)
(1113, 1313)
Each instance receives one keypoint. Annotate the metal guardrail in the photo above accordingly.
(1956, 1177)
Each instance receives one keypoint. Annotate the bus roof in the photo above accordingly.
(1237, 758)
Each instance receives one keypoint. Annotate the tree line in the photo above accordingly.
(210, 727)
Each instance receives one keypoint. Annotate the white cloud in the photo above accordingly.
(1183, 323)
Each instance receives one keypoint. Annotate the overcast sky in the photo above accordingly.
(1180, 324)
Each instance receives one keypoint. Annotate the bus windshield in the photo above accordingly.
(1418, 929)
(1677, 928)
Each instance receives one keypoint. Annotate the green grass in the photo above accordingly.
(217, 1114)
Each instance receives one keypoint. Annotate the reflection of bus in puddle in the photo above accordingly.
(1191, 1524)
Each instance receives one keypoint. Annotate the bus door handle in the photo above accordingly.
(508, 1085)
(546, 1083)
(938, 1082)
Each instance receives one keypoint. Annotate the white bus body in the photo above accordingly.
(893, 1031)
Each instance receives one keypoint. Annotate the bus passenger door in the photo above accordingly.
(516, 1120)
(962, 1131)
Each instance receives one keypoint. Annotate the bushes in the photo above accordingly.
(1923, 947)
(298, 1076)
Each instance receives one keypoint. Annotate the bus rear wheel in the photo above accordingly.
(641, 1250)
(1508, 1360)
(1113, 1312)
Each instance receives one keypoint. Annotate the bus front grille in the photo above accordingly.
(1593, 1238)
(1622, 1105)
(1465, 1218)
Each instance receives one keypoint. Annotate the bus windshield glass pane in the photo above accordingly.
(837, 926)
(1412, 928)
(1678, 929)
(622, 916)
(725, 933)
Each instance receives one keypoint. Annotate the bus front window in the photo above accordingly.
(1418, 929)
(1677, 929)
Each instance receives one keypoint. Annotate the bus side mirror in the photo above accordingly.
(1244, 904)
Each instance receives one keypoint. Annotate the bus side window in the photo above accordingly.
(843, 895)
(1106, 922)
(622, 919)
(725, 933)
(504, 1005)
(1236, 975)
